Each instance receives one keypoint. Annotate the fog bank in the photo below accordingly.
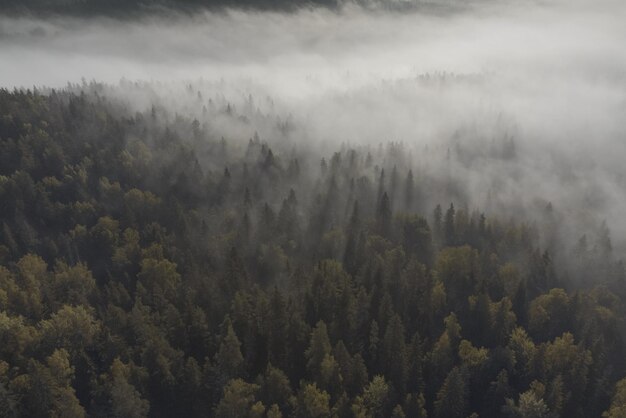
(549, 76)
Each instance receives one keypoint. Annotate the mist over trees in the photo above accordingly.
(219, 208)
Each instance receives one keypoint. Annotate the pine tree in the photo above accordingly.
(275, 388)
(415, 406)
(374, 400)
(319, 348)
(383, 215)
(394, 356)
(352, 232)
(238, 400)
(125, 400)
(312, 402)
(409, 192)
(228, 359)
(449, 229)
(618, 403)
(393, 184)
(438, 225)
(453, 396)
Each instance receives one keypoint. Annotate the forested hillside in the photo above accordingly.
(150, 268)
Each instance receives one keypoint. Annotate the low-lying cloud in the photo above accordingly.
(549, 75)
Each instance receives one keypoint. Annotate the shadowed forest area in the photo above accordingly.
(152, 268)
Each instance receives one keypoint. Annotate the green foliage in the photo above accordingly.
(50, 393)
(275, 389)
(452, 398)
(373, 403)
(312, 402)
(458, 270)
(618, 403)
(228, 357)
(125, 400)
(238, 400)
(148, 268)
(318, 351)
(530, 405)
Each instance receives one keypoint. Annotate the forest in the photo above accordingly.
(149, 267)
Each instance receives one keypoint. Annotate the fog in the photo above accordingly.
(549, 75)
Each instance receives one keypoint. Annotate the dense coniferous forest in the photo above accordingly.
(150, 268)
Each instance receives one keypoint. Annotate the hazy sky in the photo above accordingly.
(299, 53)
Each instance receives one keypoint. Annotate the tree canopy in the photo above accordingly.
(150, 268)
